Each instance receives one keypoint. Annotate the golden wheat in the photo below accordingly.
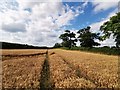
(102, 69)
(64, 76)
(95, 70)
(22, 73)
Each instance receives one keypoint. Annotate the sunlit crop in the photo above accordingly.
(58, 69)
(23, 72)
(101, 69)
(65, 77)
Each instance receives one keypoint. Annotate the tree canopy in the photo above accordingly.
(112, 27)
(68, 39)
(86, 38)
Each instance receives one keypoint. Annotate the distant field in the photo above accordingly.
(21, 51)
(58, 69)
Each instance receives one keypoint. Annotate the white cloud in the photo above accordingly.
(108, 42)
(85, 3)
(96, 26)
(40, 21)
(102, 6)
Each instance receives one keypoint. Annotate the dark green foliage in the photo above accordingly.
(112, 27)
(57, 45)
(104, 50)
(68, 39)
(86, 38)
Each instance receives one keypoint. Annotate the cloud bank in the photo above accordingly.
(36, 23)
(41, 23)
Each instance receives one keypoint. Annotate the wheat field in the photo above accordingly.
(57, 68)
(100, 69)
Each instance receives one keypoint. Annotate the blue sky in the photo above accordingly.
(89, 16)
(41, 23)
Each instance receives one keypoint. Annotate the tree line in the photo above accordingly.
(87, 38)
(7, 45)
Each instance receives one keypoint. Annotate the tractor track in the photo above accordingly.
(22, 55)
(7, 57)
(45, 80)
(79, 73)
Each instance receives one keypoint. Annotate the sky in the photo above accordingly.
(41, 23)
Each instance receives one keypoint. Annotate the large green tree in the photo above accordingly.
(68, 39)
(86, 38)
(112, 27)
